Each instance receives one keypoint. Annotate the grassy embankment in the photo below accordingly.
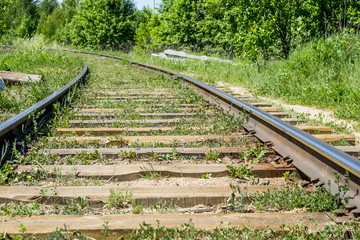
(56, 68)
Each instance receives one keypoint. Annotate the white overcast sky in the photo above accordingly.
(141, 3)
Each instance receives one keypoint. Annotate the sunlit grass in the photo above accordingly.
(56, 68)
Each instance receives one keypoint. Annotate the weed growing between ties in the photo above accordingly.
(235, 142)
(206, 175)
(9, 176)
(60, 233)
(213, 155)
(243, 171)
(253, 154)
(164, 207)
(39, 158)
(75, 206)
(119, 199)
(188, 231)
(174, 155)
(200, 142)
(293, 196)
(150, 173)
(21, 209)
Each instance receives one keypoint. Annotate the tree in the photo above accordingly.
(4, 6)
(280, 18)
(46, 7)
(19, 17)
(45, 10)
(103, 23)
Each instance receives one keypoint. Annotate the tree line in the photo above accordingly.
(86, 23)
(250, 29)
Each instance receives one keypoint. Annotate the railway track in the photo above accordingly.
(148, 145)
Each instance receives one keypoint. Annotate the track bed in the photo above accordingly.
(139, 146)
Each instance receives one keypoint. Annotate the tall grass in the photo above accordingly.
(56, 68)
(323, 73)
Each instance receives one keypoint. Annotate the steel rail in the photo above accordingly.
(316, 159)
(12, 128)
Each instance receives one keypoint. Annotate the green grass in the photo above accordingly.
(21, 209)
(57, 69)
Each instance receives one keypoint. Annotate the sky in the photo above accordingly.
(141, 3)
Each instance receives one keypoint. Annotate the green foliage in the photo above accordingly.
(206, 175)
(293, 196)
(84, 158)
(63, 234)
(21, 209)
(252, 29)
(143, 36)
(188, 231)
(290, 176)
(127, 154)
(119, 199)
(322, 73)
(253, 154)
(5, 173)
(174, 155)
(50, 25)
(242, 171)
(103, 23)
(236, 203)
(106, 231)
(163, 207)
(136, 208)
(75, 207)
(46, 7)
(18, 18)
(212, 154)
(9, 176)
